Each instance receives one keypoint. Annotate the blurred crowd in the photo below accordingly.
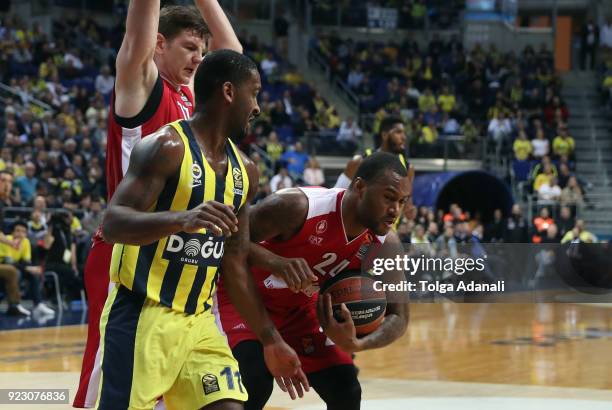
(444, 230)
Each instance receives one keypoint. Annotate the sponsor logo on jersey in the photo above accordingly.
(238, 184)
(308, 345)
(195, 249)
(315, 240)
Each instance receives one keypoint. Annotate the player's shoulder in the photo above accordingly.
(163, 148)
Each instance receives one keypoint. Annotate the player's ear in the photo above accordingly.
(160, 44)
(359, 186)
(228, 92)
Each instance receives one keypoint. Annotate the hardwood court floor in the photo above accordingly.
(454, 352)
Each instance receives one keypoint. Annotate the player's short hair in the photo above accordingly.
(217, 68)
(174, 19)
(376, 165)
(388, 122)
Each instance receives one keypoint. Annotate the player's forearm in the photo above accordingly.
(391, 329)
(223, 35)
(122, 224)
(261, 257)
(244, 295)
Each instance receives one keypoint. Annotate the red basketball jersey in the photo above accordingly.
(321, 241)
(166, 104)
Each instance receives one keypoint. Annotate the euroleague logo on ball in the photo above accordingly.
(321, 227)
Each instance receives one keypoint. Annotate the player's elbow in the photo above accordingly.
(110, 222)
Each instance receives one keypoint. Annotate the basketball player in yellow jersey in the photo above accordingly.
(179, 218)
(393, 136)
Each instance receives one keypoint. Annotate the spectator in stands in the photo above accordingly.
(470, 131)
(565, 222)
(549, 192)
(589, 44)
(105, 83)
(522, 147)
(545, 177)
(269, 65)
(499, 129)
(295, 159)
(446, 245)
(427, 100)
(540, 145)
(20, 256)
(313, 174)
(516, 226)
(355, 77)
(450, 126)
(93, 216)
(563, 144)
(447, 100)
(572, 194)
(556, 109)
(281, 180)
(61, 256)
(27, 183)
(551, 235)
(579, 233)
(541, 224)
(494, 231)
(349, 136)
(274, 148)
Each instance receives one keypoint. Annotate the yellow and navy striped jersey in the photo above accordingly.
(181, 271)
(402, 159)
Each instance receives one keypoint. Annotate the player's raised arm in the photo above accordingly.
(129, 219)
(280, 358)
(222, 33)
(136, 71)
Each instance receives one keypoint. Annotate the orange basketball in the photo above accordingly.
(356, 291)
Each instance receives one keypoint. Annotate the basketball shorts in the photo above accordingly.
(149, 351)
(299, 327)
(96, 285)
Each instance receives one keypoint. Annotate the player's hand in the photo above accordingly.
(281, 359)
(342, 333)
(295, 386)
(215, 217)
(294, 271)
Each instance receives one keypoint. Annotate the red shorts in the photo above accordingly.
(96, 285)
(299, 327)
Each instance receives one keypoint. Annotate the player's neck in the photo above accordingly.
(352, 227)
(210, 133)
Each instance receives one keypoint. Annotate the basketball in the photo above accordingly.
(356, 290)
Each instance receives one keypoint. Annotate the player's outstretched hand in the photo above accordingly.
(213, 216)
(341, 332)
(295, 386)
(281, 359)
(294, 271)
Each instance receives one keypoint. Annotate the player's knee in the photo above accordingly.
(347, 398)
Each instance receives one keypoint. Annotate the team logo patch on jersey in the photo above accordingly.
(196, 174)
(210, 383)
(321, 227)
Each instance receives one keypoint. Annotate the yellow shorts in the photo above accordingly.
(150, 351)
